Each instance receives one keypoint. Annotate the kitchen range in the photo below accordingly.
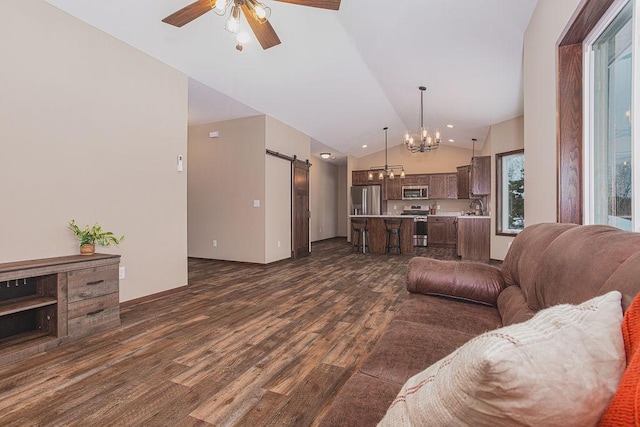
(419, 213)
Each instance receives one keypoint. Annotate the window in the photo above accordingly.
(609, 154)
(510, 194)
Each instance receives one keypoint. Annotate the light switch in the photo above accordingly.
(256, 203)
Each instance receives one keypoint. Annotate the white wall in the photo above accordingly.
(277, 209)
(90, 129)
(226, 175)
(286, 140)
(343, 204)
(540, 53)
(324, 178)
(503, 137)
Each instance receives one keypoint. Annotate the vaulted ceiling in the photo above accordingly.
(341, 76)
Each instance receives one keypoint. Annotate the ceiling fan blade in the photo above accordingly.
(263, 30)
(324, 4)
(189, 13)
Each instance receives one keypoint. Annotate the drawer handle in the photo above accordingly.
(93, 313)
(95, 282)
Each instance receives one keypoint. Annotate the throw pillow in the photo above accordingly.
(624, 407)
(559, 368)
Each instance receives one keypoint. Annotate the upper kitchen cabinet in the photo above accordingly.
(464, 175)
(475, 179)
(361, 178)
(481, 176)
(393, 188)
(451, 185)
(443, 186)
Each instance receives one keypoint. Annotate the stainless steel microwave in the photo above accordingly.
(415, 192)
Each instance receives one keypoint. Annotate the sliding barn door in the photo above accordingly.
(300, 206)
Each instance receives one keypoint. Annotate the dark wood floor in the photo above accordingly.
(243, 345)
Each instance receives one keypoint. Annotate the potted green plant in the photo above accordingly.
(90, 237)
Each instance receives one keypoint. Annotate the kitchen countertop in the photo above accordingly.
(456, 214)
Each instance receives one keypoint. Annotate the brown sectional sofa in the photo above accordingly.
(450, 302)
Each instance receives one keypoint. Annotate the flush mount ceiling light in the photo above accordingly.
(255, 13)
(325, 155)
(386, 169)
(423, 142)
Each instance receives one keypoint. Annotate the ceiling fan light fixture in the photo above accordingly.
(260, 10)
(220, 7)
(243, 37)
(233, 22)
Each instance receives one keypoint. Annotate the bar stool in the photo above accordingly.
(393, 229)
(359, 228)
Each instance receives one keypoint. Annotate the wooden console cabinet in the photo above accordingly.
(47, 301)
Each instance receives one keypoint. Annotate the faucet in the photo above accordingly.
(473, 207)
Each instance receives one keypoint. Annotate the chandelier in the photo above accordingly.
(386, 169)
(424, 141)
(260, 11)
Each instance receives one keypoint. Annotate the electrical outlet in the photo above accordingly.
(438, 207)
(278, 243)
(121, 273)
(215, 243)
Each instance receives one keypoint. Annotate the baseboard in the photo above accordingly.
(151, 297)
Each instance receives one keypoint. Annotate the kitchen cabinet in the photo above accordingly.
(443, 186)
(474, 179)
(481, 176)
(474, 238)
(441, 230)
(423, 179)
(463, 175)
(451, 185)
(392, 189)
(361, 178)
(437, 188)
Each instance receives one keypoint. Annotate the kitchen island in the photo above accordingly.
(471, 234)
(377, 235)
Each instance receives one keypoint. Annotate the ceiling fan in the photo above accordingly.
(255, 12)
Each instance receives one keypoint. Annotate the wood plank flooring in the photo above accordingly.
(242, 345)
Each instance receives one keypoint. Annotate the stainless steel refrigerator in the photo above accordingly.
(366, 200)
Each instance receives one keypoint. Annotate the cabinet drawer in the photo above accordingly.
(92, 282)
(90, 324)
(92, 306)
(93, 315)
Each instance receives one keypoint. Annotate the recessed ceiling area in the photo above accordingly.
(341, 76)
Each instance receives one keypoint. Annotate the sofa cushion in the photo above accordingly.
(468, 281)
(406, 348)
(578, 263)
(512, 306)
(559, 368)
(362, 400)
(465, 317)
(624, 408)
(521, 262)
(625, 279)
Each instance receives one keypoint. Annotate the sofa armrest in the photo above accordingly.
(468, 281)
